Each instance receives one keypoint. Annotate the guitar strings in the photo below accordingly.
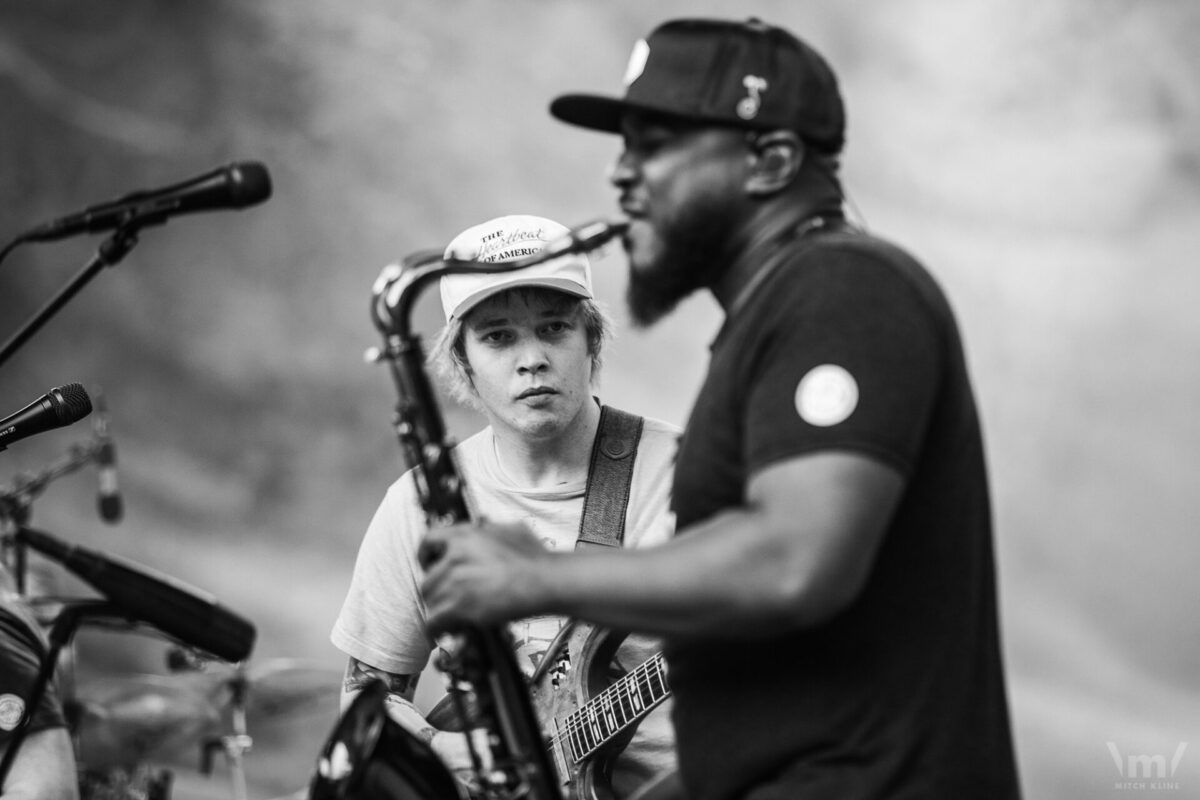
(620, 700)
(577, 722)
(578, 726)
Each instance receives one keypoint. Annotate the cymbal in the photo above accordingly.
(130, 719)
(127, 720)
(281, 687)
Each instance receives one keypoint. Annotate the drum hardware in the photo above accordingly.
(16, 504)
(125, 721)
(282, 686)
(234, 745)
(113, 736)
(263, 693)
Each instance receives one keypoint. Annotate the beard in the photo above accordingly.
(689, 257)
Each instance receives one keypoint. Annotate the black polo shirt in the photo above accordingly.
(850, 345)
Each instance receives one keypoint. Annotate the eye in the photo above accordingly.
(495, 336)
(643, 146)
(556, 327)
(649, 140)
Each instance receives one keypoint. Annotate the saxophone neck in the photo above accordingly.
(399, 285)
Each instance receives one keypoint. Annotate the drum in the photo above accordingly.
(369, 756)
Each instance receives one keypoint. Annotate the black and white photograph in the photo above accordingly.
(577, 400)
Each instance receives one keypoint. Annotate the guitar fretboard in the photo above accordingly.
(615, 709)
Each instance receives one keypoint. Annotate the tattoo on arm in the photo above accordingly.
(359, 675)
(400, 692)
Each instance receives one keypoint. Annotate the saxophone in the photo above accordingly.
(369, 756)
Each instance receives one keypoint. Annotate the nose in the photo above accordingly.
(532, 358)
(623, 171)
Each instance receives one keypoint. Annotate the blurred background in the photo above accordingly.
(1043, 158)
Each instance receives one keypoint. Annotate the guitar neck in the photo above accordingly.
(613, 710)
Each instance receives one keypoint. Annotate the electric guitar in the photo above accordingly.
(585, 715)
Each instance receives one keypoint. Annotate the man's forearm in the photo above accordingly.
(719, 577)
(44, 768)
(794, 556)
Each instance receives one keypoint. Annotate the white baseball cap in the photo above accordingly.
(511, 238)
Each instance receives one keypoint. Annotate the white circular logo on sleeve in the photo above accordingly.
(827, 395)
(11, 709)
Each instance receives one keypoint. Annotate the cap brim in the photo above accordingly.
(546, 282)
(604, 113)
(590, 111)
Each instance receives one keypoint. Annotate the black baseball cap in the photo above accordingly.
(748, 74)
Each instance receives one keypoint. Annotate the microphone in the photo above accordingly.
(188, 614)
(108, 498)
(60, 406)
(237, 185)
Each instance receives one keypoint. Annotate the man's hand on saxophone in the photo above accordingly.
(486, 574)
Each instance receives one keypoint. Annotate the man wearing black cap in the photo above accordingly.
(829, 598)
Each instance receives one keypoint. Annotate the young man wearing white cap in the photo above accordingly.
(523, 347)
(829, 601)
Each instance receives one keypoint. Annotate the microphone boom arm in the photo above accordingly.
(111, 251)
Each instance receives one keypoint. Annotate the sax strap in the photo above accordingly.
(610, 475)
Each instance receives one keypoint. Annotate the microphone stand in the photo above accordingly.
(110, 252)
(16, 504)
(65, 625)
(234, 745)
(8, 248)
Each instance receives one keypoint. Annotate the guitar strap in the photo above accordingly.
(610, 475)
(605, 500)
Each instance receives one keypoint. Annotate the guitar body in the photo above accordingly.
(561, 698)
(586, 708)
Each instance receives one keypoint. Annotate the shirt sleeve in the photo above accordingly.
(849, 359)
(382, 621)
(21, 654)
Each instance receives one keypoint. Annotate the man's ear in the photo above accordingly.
(775, 162)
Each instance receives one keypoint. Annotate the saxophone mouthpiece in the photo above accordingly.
(599, 233)
(583, 239)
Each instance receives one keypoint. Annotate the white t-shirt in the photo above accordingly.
(382, 622)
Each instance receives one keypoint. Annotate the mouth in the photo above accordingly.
(631, 209)
(536, 391)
